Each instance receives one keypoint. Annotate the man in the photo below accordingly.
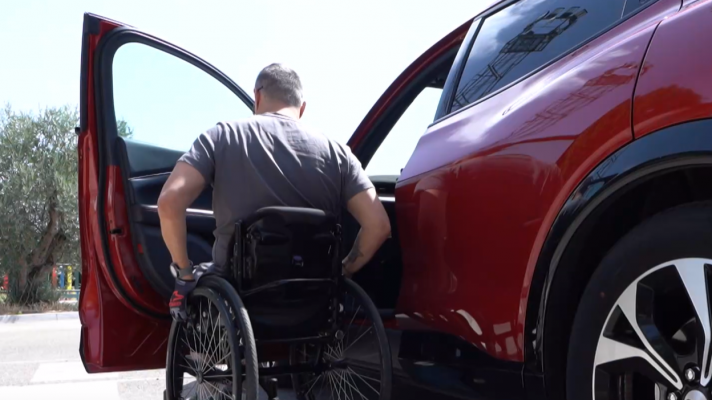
(270, 159)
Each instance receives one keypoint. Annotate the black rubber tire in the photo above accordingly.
(681, 232)
(361, 297)
(353, 289)
(250, 385)
(173, 341)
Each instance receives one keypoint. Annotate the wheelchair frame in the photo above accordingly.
(240, 273)
(271, 315)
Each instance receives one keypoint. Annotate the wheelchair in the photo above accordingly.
(282, 313)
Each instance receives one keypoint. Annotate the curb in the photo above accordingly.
(61, 316)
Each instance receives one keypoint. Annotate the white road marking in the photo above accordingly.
(68, 372)
(65, 391)
(59, 360)
(40, 326)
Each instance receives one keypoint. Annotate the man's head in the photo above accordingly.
(279, 89)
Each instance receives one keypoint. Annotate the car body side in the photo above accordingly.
(485, 184)
(667, 164)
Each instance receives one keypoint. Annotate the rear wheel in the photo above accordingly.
(356, 364)
(243, 327)
(642, 329)
(203, 359)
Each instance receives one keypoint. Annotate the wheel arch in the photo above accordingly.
(659, 171)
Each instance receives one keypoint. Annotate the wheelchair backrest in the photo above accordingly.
(286, 243)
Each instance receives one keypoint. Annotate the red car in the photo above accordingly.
(552, 230)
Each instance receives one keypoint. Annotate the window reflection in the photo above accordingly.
(589, 92)
(523, 37)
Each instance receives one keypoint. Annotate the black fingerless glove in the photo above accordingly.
(179, 299)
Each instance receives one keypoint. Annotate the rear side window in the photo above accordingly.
(521, 38)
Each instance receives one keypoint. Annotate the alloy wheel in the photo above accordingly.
(655, 343)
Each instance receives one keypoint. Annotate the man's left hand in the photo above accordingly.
(179, 298)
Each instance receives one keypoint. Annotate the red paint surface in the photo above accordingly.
(678, 85)
(115, 336)
(477, 198)
(123, 257)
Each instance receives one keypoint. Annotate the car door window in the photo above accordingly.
(397, 147)
(525, 36)
(164, 101)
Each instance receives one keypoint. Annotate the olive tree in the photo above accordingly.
(39, 223)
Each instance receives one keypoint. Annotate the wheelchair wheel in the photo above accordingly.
(356, 364)
(203, 360)
(243, 326)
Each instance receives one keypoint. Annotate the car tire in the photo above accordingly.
(625, 341)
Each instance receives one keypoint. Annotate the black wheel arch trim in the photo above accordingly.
(680, 146)
(107, 131)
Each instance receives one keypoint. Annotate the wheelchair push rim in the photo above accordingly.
(204, 352)
(356, 363)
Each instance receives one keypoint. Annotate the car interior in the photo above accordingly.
(146, 167)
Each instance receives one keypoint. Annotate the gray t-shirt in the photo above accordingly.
(271, 160)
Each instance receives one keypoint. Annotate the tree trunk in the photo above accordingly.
(29, 285)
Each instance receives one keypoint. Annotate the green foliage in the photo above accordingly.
(39, 222)
(124, 130)
(32, 292)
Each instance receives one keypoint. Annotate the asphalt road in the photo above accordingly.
(40, 361)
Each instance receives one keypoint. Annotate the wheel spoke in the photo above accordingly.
(693, 273)
(356, 374)
(636, 305)
(341, 382)
(355, 341)
(352, 384)
(612, 351)
(312, 385)
(212, 352)
(210, 385)
(190, 389)
(203, 360)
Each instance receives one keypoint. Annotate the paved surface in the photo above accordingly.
(39, 360)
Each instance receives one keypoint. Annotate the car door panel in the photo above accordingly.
(145, 159)
(106, 308)
(150, 167)
(125, 276)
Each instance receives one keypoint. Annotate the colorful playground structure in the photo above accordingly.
(63, 277)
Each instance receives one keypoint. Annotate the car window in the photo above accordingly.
(528, 34)
(162, 100)
(396, 148)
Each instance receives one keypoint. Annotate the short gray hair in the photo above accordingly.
(280, 83)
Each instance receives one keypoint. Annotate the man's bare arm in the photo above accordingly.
(375, 229)
(180, 190)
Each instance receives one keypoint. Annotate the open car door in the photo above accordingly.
(384, 142)
(143, 103)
